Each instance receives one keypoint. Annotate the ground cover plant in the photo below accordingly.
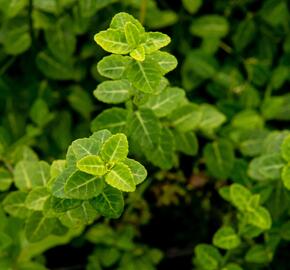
(142, 134)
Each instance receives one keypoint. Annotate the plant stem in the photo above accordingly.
(143, 9)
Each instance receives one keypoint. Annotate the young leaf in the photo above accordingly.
(138, 170)
(92, 164)
(121, 177)
(138, 53)
(81, 148)
(101, 136)
(113, 92)
(83, 186)
(226, 238)
(109, 202)
(113, 119)
(132, 34)
(115, 149)
(145, 76)
(119, 21)
(113, 66)
(113, 41)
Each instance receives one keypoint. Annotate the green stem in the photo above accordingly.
(143, 10)
(7, 65)
(226, 257)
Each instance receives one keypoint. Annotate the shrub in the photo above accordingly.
(211, 133)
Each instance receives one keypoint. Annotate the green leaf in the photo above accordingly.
(210, 26)
(208, 257)
(113, 119)
(155, 41)
(62, 205)
(54, 68)
(240, 196)
(286, 176)
(81, 101)
(82, 215)
(266, 167)
(14, 204)
(57, 186)
(232, 266)
(5, 241)
(121, 177)
(226, 238)
(5, 179)
(132, 34)
(138, 170)
(29, 174)
(166, 61)
(192, 6)
(40, 114)
(113, 41)
(113, 92)
(109, 202)
(260, 217)
(60, 39)
(186, 117)
(219, 158)
(36, 198)
(83, 186)
(145, 76)
(38, 227)
(211, 119)
(144, 128)
(285, 148)
(162, 154)
(119, 21)
(101, 136)
(185, 142)
(164, 103)
(138, 53)
(258, 254)
(115, 149)
(81, 148)
(92, 164)
(113, 66)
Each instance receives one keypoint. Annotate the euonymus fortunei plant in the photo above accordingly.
(217, 150)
